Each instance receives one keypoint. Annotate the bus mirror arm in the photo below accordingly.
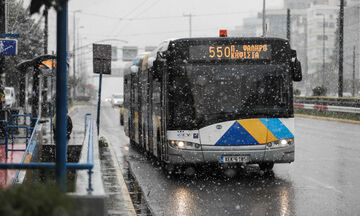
(163, 54)
(296, 70)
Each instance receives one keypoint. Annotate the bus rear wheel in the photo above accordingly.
(121, 119)
(266, 166)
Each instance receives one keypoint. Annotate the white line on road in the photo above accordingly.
(322, 184)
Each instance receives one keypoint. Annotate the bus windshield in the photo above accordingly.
(200, 95)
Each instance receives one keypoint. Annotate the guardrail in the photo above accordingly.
(327, 108)
(329, 101)
(50, 165)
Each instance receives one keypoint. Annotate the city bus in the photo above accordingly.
(218, 100)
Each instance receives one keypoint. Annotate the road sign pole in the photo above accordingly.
(61, 96)
(99, 103)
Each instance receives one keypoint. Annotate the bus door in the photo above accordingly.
(164, 98)
(150, 112)
(133, 86)
(156, 115)
(139, 106)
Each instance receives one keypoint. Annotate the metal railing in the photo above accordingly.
(51, 165)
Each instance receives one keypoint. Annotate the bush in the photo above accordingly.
(35, 199)
(319, 91)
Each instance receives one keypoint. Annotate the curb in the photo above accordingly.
(328, 118)
(120, 178)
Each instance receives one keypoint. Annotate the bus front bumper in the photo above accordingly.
(214, 154)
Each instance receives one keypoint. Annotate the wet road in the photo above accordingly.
(323, 180)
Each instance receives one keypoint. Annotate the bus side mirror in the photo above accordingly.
(296, 70)
(162, 54)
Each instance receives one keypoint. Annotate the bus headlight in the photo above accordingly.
(179, 144)
(281, 143)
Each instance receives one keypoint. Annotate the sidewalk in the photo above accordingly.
(118, 201)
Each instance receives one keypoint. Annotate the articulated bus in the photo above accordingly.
(214, 100)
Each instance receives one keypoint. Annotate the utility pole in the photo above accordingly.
(74, 55)
(263, 21)
(46, 16)
(45, 105)
(323, 49)
(323, 39)
(288, 25)
(353, 82)
(190, 17)
(341, 48)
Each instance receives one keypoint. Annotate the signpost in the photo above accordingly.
(8, 47)
(101, 65)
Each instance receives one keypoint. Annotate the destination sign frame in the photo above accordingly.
(230, 52)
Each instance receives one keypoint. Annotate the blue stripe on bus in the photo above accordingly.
(276, 127)
(236, 135)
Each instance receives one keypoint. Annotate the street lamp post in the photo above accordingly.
(323, 50)
(263, 20)
(74, 50)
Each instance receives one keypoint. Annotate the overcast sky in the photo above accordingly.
(148, 22)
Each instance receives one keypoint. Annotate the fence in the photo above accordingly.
(47, 165)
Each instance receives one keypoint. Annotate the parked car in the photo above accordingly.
(10, 99)
(117, 100)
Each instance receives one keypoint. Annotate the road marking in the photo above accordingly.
(323, 184)
(124, 191)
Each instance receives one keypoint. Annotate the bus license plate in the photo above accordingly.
(234, 159)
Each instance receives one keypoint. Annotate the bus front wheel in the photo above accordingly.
(266, 166)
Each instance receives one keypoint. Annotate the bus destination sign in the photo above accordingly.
(235, 52)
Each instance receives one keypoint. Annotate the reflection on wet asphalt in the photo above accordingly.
(324, 180)
(212, 192)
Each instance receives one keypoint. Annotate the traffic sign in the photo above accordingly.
(9, 35)
(102, 58)
(8, 47)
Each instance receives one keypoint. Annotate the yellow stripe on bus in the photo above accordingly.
(257, 130)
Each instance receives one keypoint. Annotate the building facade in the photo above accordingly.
(321, 28)
(351, 44)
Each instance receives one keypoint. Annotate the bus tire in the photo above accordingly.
(132, 142)
(268, 166)
(121, 120)
(158, 145)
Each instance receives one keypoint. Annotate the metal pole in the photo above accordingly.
(46, 15)
(52, 101)
(45, 92)
(74, 61)
(323, 66)
(353, 82)
(99, 103)
(2, 30)
(35, 94)
(263, 20)
(61, 95)
(288, 25)
(341, 48)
